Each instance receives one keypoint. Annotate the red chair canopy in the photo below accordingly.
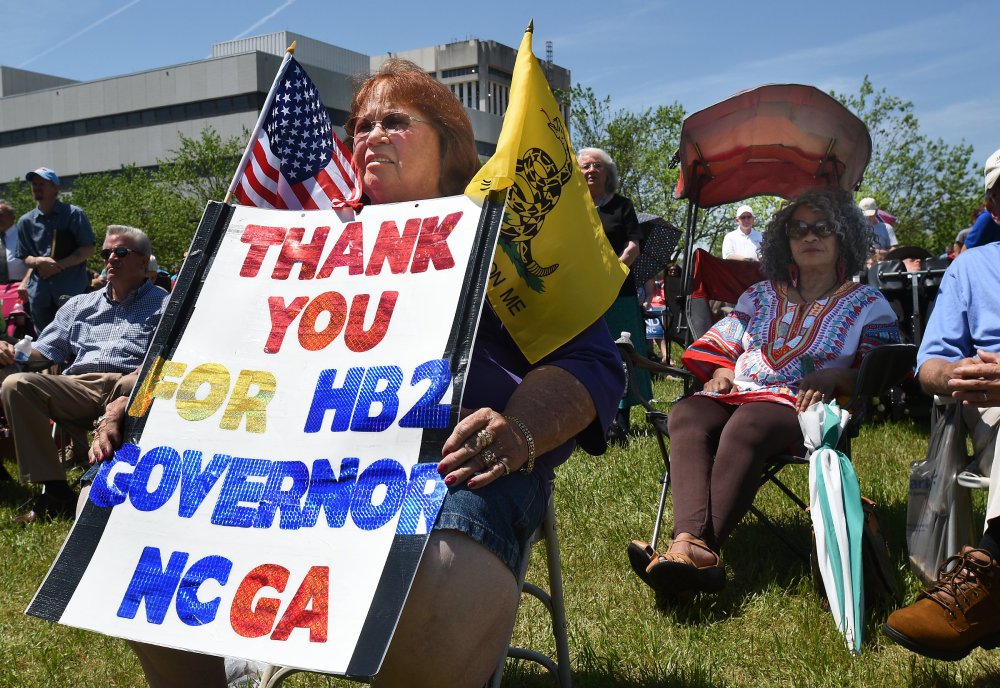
(775, 140)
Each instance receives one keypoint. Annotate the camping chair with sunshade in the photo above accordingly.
(776, 140)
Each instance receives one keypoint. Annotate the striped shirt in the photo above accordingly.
(95, 334)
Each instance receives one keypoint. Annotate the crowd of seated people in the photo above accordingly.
(745, 413)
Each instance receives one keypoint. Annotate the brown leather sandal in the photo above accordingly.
(640, 556)
(673, 573)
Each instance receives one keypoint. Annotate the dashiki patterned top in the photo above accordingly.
(767, 339)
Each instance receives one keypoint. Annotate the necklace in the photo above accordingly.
(807, 302)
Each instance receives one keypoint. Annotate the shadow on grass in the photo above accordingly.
(749, 573)
(13, 494)
(593, 671)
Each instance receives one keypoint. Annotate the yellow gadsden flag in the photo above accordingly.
(554, 272)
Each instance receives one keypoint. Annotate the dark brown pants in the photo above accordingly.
(717, 455)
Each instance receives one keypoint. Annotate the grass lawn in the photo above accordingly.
(767, 628)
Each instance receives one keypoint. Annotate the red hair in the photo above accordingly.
(403, 82)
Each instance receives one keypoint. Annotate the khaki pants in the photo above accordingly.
(31, 399)
(982, 424)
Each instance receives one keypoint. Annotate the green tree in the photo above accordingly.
(930, 185)
(17, 193)
(643, 145)
(166, 202)
(132, 196)
(202, 167)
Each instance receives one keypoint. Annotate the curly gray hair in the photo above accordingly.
(854, 232)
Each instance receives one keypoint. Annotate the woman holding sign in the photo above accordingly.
(412, 140)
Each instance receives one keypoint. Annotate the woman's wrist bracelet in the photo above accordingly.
(529, 465)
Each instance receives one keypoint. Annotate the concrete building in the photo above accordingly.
(137, 119)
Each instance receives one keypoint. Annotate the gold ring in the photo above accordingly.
(489, 458)
(484, 438)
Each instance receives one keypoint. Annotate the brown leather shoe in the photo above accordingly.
(44, 507)
(957, 614)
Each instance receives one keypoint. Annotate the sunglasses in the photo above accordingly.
(119, 251)
(393, 123)
(797, 229)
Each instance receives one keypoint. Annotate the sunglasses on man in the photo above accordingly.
(120, 251)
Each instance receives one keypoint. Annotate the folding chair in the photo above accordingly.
(553, 601)
(559, 667)
(881, 368)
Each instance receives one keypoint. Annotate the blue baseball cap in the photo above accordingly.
(44, 173)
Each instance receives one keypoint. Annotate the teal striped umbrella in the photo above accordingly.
(838, 520)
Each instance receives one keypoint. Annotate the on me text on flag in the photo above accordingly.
(554, 272)
(295, 161)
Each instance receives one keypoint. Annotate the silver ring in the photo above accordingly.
(484, 438)
(506, 468)
(489, 458)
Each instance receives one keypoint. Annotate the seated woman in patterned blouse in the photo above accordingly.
(791, 341)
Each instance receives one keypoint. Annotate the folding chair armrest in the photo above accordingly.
(883, 367)
(633, 361)
(628, 352)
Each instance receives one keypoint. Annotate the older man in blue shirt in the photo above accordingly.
(960, 356)
(54, 240)
(100, 337)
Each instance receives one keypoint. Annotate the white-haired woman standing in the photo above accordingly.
(622, 229)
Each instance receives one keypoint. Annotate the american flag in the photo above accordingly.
(296, 161)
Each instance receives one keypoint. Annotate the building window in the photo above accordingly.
(461, 71)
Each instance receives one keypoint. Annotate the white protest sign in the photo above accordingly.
(279, 491)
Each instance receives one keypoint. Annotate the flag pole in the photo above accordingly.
(245, 160)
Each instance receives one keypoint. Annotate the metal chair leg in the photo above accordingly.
(554, 602)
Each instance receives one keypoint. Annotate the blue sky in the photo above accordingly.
(640, 52)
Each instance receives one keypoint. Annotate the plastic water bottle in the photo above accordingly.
(22, 350)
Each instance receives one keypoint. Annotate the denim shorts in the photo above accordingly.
(500, 516)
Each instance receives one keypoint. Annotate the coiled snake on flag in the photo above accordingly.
(537, 186)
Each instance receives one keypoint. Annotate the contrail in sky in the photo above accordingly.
(262, 20)
(78, 33)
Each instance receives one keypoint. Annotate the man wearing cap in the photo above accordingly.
(743, 243)
(885, 237)
(54, 240)
(960, 357)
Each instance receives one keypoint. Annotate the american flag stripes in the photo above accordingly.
(295, 161)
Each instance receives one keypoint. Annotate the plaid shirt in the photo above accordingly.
(95, 334)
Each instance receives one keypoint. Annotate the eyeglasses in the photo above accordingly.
(592, 166)
(797, 229)
(120, 251)
(393, 123)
